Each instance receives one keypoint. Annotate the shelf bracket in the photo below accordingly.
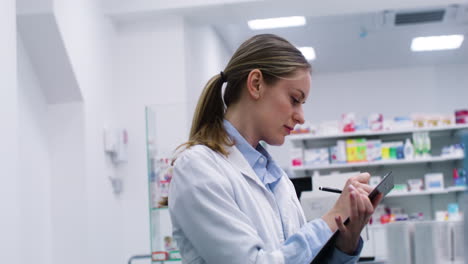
(429, 165)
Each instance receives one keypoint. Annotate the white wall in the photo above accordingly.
(205, 57)
(34, 169)
(68, 198)
(162, 63)
(88, 37)
(143, 65)
(70, 213)
(451, 87)
(149, 70)
(392, 92)
(9, 198)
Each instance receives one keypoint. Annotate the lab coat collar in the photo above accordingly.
(236, 158)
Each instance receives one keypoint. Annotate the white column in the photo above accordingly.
(9, 198)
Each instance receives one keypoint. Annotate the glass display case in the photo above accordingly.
(165, 129)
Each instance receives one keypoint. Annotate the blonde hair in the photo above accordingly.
(274, 56)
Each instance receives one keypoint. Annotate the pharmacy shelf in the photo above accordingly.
(377, 163)
(367, 133)
(446, 190)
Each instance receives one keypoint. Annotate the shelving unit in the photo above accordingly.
(160, 221)
(427, 201)
(414, 193)
(368, 133)
(378, 163)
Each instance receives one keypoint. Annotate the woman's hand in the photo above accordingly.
(355, 204)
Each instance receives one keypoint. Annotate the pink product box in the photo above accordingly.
(374, 150)
(348, 122)
(461, 117)
(375, 122)
(297, 157)
(415, 185)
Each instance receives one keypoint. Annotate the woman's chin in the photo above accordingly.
(276, 142)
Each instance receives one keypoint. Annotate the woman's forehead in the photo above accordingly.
(299, 82)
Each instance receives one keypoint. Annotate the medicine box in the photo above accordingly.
(296, 157)
(316, 156)
(434, 181)
(356, 150)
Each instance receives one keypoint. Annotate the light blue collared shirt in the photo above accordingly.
(270, 173)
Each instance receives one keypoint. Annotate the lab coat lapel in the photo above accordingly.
(236, 158)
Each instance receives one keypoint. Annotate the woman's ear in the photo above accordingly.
(254, 82)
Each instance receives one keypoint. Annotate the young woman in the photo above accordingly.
(229, 201)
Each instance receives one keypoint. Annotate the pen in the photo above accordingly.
(327, 189)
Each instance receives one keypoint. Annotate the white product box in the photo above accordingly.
(316, 156)
(341, 151)
(415, 185)
(434, 181)
(296, 157)
(374, 150)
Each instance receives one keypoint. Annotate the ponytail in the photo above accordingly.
(207, 124)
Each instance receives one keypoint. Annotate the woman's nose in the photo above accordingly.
(299, 116)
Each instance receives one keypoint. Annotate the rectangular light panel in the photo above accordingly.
(447, 42)
(308, 52)
(279, 22)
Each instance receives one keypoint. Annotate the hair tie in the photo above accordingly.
(223, 76)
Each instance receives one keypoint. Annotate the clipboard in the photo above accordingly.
(384, 187)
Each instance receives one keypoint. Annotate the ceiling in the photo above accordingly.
(360, 41)
(346, 35)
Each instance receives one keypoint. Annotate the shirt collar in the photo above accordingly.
(254, 156)
(250, 154)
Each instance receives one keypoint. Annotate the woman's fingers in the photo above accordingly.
(360, 205)
(340, 224)
(361, 191)
(363, 177)
(353, 197)
(363, 186)
(369, 206)
(361, 182)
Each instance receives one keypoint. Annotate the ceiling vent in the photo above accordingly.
(449, 14)
(406, 18)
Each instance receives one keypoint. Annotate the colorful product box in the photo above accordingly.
(356, 150)
(386, 151)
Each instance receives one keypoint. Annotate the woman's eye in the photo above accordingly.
(294, 100)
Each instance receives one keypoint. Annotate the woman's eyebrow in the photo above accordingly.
(302, 93)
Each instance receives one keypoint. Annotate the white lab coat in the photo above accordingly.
(222, 213)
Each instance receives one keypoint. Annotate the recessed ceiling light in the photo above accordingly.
(279, 22)
(437, 43)
(308, 52)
